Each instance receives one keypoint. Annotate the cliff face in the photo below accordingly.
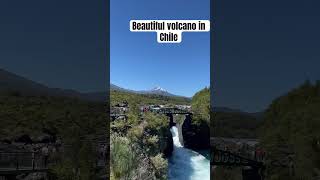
(195, 136)
(179, 126)
(166, 145)
(195, 129)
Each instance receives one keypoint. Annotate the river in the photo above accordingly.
(186, 164)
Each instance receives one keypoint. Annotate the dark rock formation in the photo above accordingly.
(195, 136)
(167, 147)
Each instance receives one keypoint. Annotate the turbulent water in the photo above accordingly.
(186, 164)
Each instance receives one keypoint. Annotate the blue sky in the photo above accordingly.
(61, 44)
(138, 62)
(262, 50)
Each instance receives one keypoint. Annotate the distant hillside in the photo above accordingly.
(135, 99)
(12, 83)
(95, 96)
(225, 109)
(235, 124)
(117, 88)
(257, 115)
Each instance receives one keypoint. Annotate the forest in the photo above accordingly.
(290, 134)
(288, 131)
(77, 124)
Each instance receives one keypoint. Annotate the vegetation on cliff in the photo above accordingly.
(139, 152)
(290, 134)
(146, 136)
(196, 132)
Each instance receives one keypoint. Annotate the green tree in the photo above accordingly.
(290, 132)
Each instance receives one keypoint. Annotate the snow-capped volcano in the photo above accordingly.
(158, 88)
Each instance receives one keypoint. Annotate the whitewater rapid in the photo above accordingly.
(185, 164)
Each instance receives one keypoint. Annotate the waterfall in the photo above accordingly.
(185, 164)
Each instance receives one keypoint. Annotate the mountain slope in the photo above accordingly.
(158, 91)
(12, 83)
(154, 91)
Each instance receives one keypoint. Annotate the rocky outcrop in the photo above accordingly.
(167, 145)
(195, 136)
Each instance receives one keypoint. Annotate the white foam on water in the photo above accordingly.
(185, 164)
